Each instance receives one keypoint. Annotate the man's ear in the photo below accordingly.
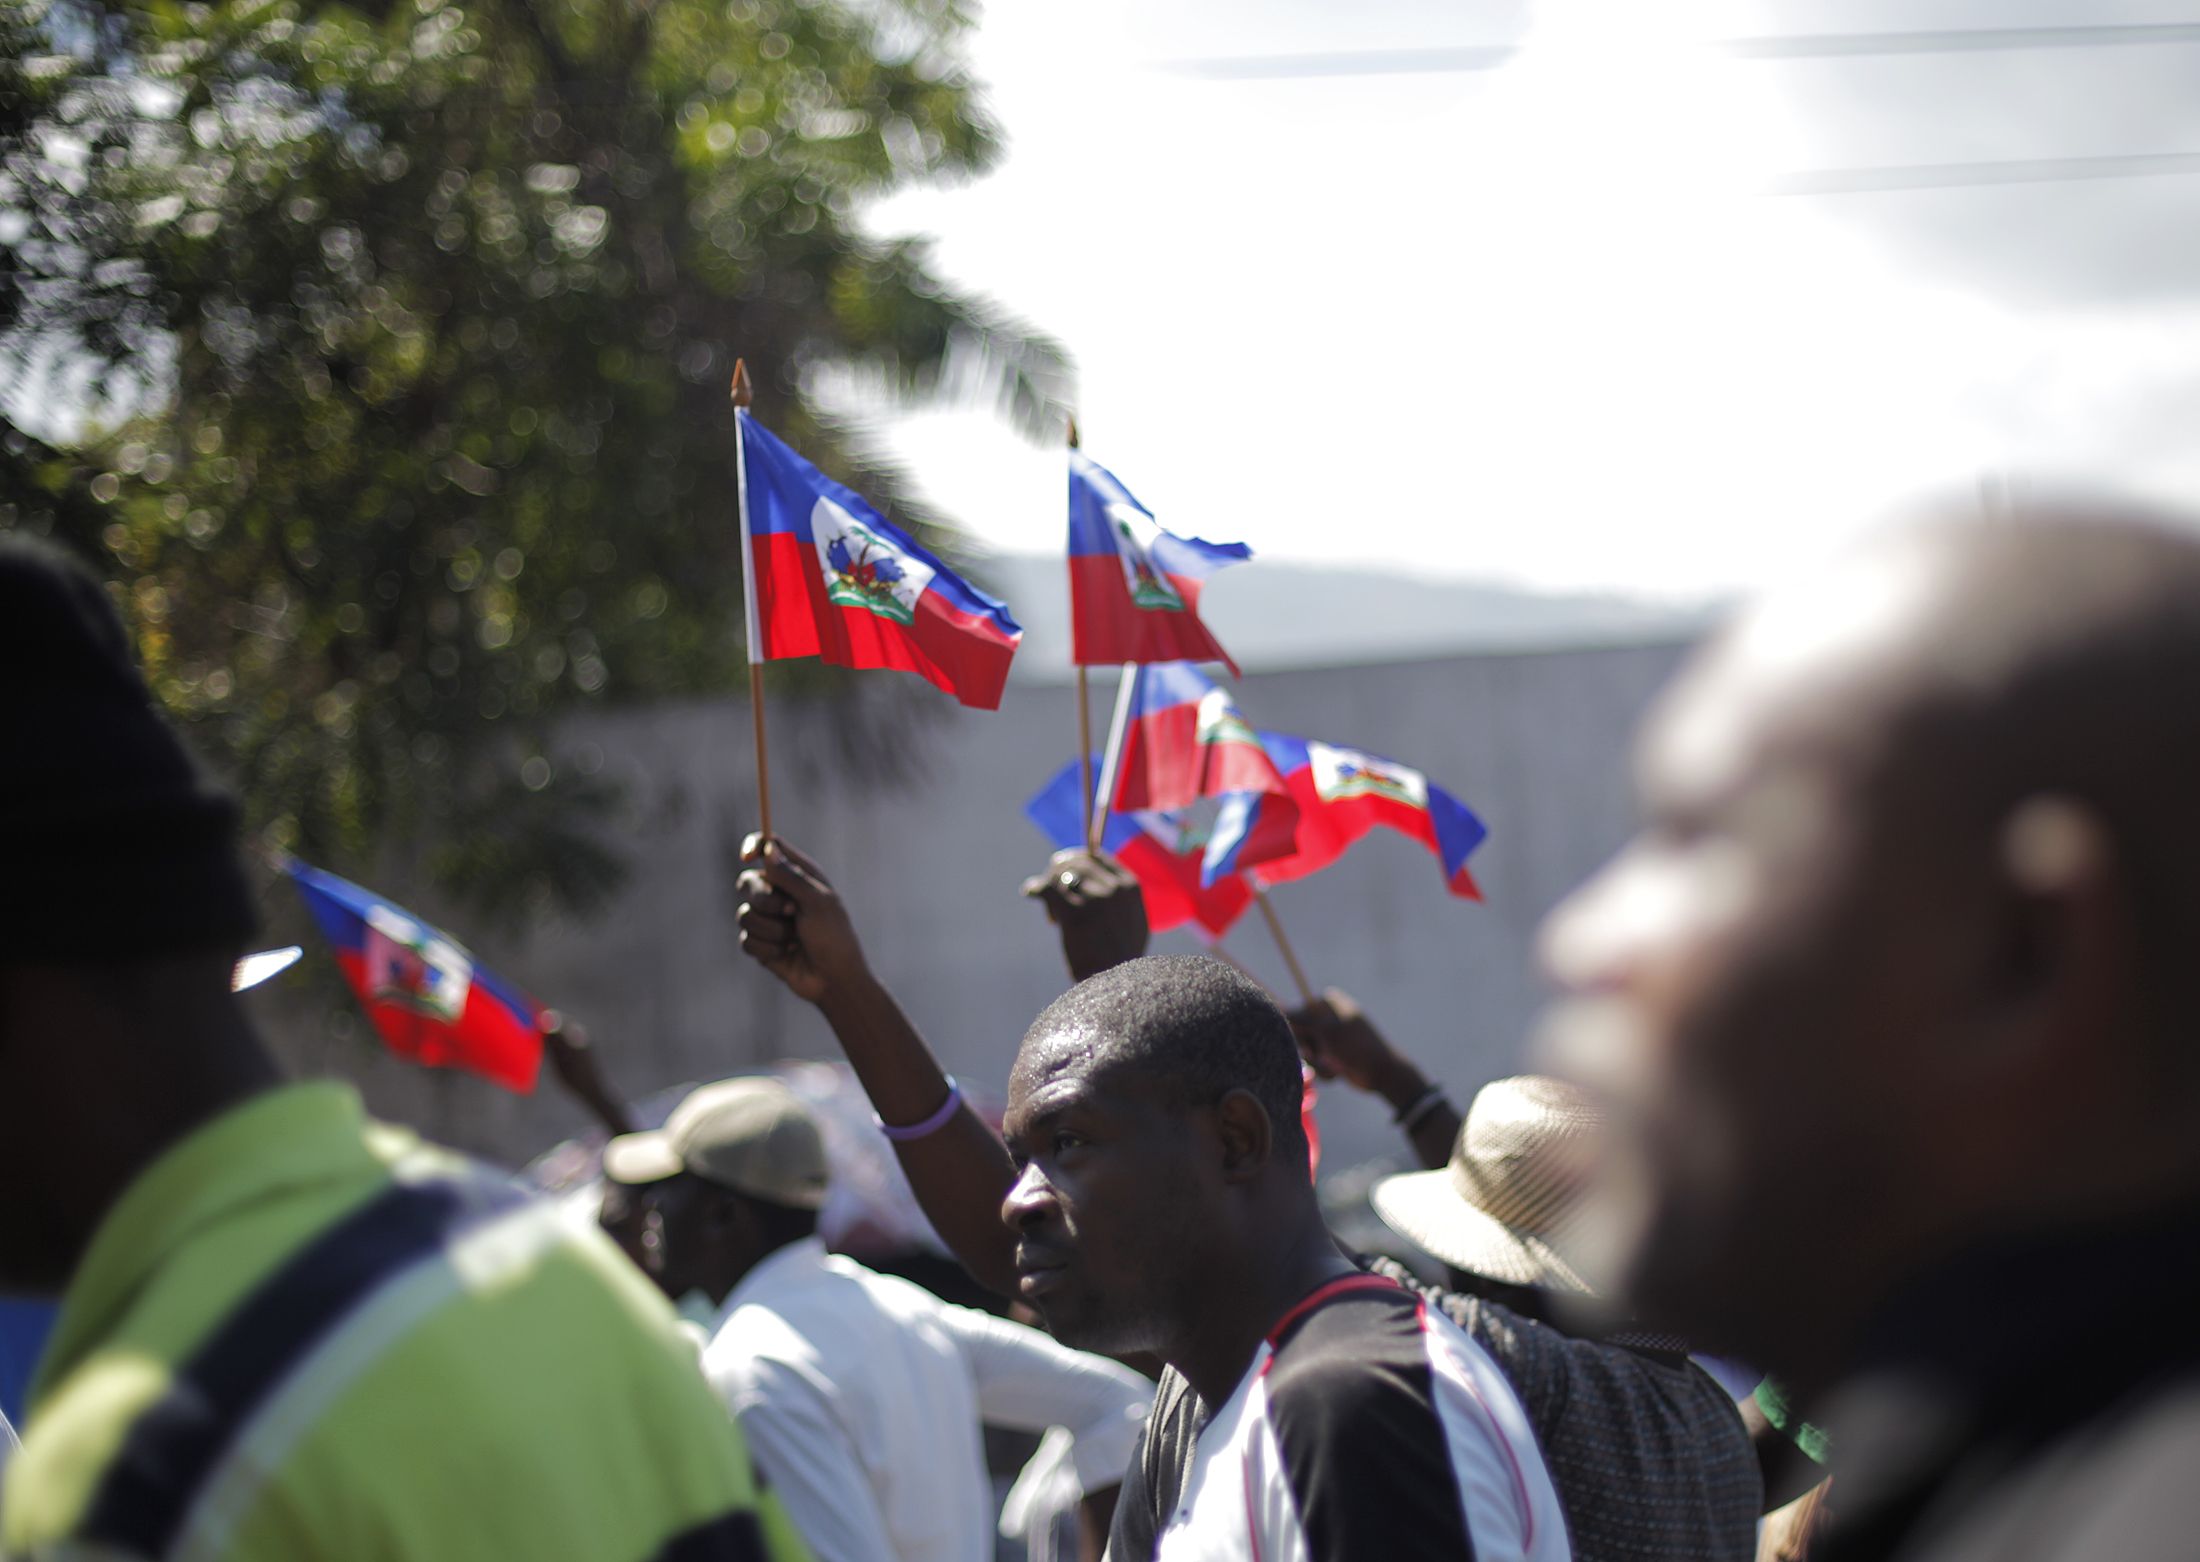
(1246, 1135)
(2066, 948)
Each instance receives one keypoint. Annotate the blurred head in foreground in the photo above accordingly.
(1903, 955)
(125, 909)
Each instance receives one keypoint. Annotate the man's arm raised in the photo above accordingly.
(794, 925)
(573, 1063)
(1093, 901)
(1339, 1041)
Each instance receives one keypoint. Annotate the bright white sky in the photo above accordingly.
(1529, 324)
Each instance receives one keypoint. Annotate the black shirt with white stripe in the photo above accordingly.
(1367, 1427)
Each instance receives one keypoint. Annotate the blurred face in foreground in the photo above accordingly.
(36, 1250)
(1107, 1201)
(1746, 982)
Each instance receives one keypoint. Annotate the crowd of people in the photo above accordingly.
(1868, 1067)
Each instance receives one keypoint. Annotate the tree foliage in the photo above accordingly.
(420, 319)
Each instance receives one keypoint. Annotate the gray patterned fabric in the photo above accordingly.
(1648, 1453)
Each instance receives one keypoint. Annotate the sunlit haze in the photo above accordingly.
(1542, 323)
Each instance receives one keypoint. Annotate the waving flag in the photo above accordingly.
(1183, 739)
(833, 578)
(1159, 851)
(423, 992)
(1251, 830)
(1341, 794)
(1134, 588)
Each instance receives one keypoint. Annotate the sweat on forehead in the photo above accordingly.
(1184, 1017)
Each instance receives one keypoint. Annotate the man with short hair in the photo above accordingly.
(860, 1395)
(1891, 1006)
(1646, 1451)
(1163, 1203)
(286, 1332)
(1159, 1200)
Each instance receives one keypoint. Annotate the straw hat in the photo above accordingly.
(1504, 1206)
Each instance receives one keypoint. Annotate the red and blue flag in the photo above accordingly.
(1183, 739)
(421, 989)
(831, 577)
(1342, 793)
(1158, 849)
(1250, 830)
(1134, 588)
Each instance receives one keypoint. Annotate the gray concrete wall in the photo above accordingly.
(1536, 743)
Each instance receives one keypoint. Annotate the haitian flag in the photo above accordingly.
(831, 577)
(1251, 830)
(423, 992)
(1134, 588)
(1342, 793)
(1159, 852)
(1183, 739)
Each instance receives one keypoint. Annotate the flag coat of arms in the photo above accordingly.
(831, 577)
(1164, 856)
(1183, 739)
(1134, 588)
(422, 991)
(1342, 793)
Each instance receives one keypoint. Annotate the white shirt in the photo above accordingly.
(1040, 1509)
(861, 1396)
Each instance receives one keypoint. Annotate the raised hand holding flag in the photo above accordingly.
(831, 577)
(1160, 853)
(823, 574)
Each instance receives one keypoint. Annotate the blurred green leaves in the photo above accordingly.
(411, 326)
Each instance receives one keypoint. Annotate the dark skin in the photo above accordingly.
(573, 1063)
(698, 1236)
(1093, 901)
(624, 1217)
(1339, 1041)
(1256, 1220)
(793, 923)
(1881, 939)
(154, 1049)
(1146, 1223)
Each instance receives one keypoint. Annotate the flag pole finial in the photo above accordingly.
(1073, 433)
(740, 391)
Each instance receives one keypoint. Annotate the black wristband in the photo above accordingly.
(1410, 1115)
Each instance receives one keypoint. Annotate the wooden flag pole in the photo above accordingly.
(1084, 714)
(1283, 944)
(1084, 750)
(763, 770)
(741, 399)
(1111, 759)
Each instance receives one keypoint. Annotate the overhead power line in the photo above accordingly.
(1953, 176)
(1802, 46)
(1795, 46)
